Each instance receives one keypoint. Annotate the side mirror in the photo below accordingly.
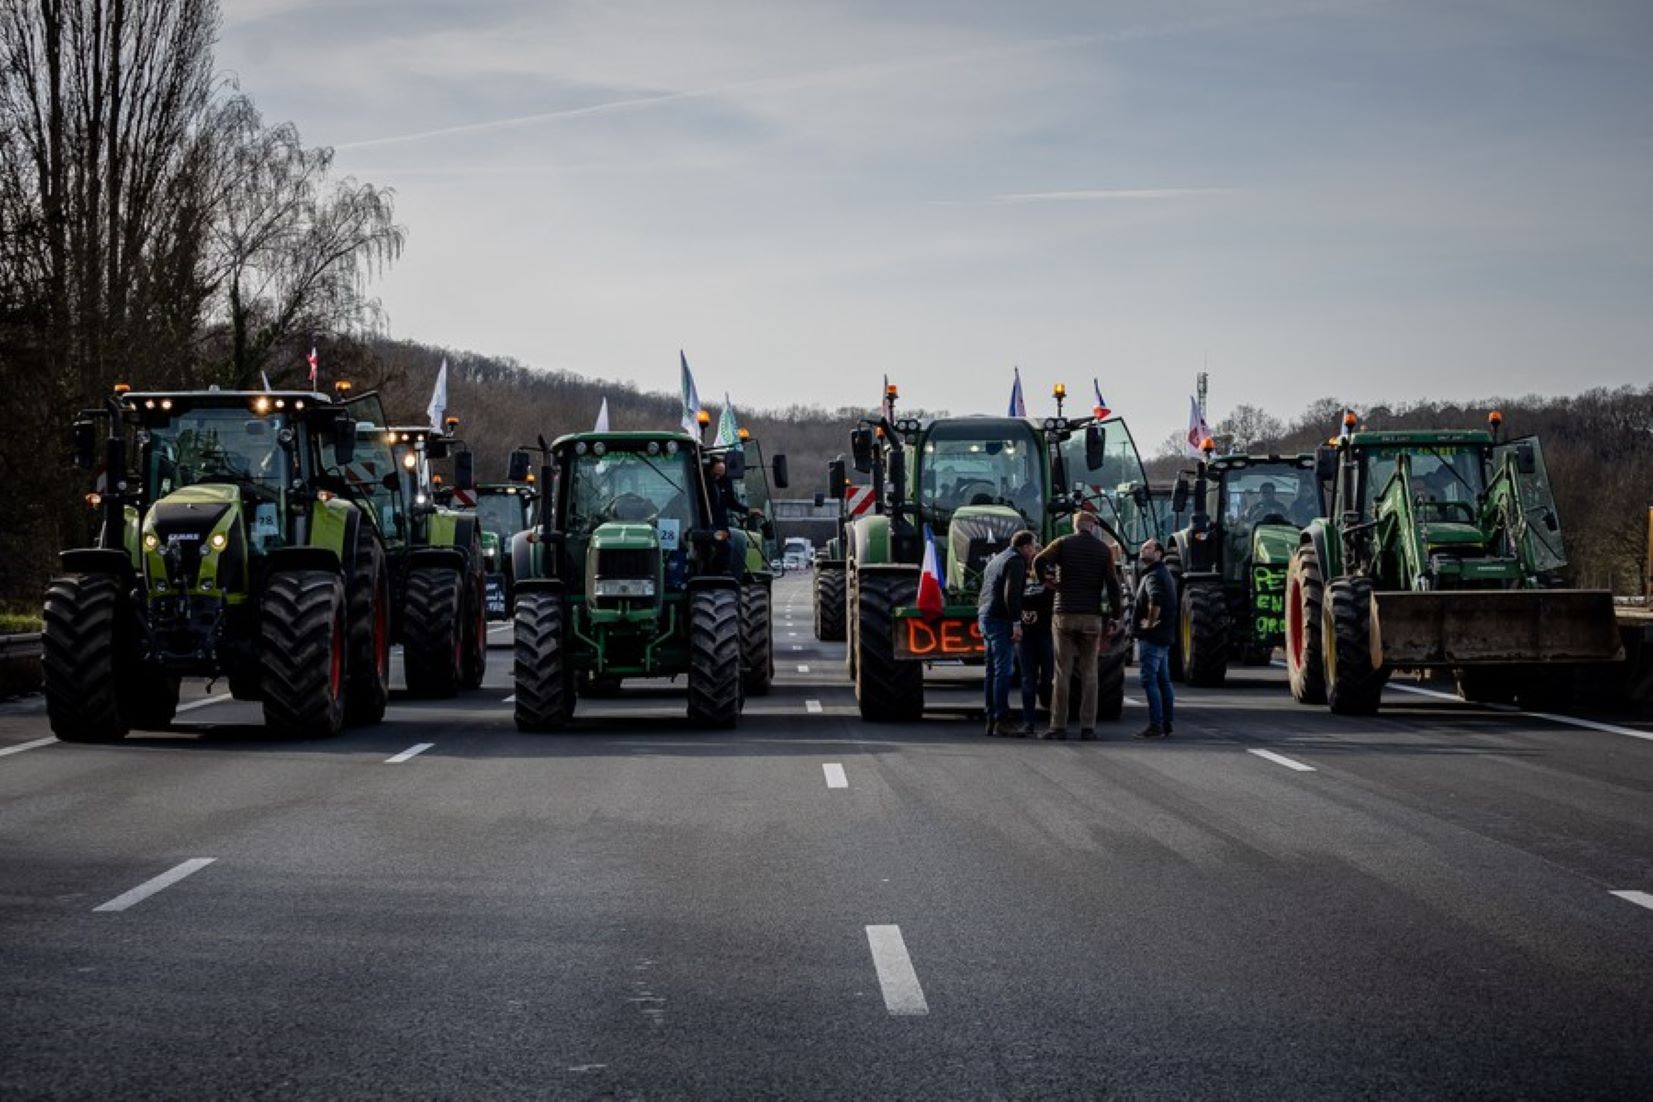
(735, 460)
(1059, 467)
(344, 438)
(437, 448)
(1139, 494)
(517, 470)
(782, 481)
(86, 444)
(898, 471)
(1526, 459)
(1325, 463)
(391, 481)
(820, 499)
(464, 470)
(837, 479)
(1179, 496)
(860, 443)
(1096, 447)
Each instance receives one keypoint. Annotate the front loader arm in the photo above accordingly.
(1399, 533)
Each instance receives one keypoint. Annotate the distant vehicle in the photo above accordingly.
(798, 553)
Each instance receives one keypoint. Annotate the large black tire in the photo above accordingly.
(149, 700)
(887, 690)
(1305, 654)
(1202, 632)
(1110, 685)
(714, 657)
(433, 631)
(82, 655)
(1173, 564)
(474, 661)
(544, 680)
(367, 689)
(303, 650)
(1353, 685)
(757, 643)
(829, 605)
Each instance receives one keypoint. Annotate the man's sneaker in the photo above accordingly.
(1087, 735)
(1059, 736)
(1150, 731)
(1167, 732)
(992, 727)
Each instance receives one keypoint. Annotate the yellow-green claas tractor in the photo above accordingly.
(230, 546)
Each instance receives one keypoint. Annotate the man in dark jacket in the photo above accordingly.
(999, 613)
(1036, 652)
(727, 515)
(1087, 597)
(1156, 611)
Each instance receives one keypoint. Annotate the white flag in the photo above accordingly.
(691, 398)
(265, 376)
(1198, 431)
(439, 397)
(602, 418)
(728, 433)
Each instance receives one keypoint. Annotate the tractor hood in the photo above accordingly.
(1274, 543)
(617, 535)
(1453, 534)
(976, 534)
(623, 570)
(192, 541)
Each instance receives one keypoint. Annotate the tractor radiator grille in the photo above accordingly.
(629, 562)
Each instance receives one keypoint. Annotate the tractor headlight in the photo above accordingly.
(151, 541)
(623, 587)
(218, 541)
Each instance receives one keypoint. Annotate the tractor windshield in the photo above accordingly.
(1449, 476)
(632, 486)
(217, 445)
(374, 474)
(960, 465)
(502, 512)
(1267, 493)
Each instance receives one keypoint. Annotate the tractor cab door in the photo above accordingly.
(1112, 488)
(1532, 481)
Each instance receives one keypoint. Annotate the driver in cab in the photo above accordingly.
(727, 514)
(1267, 504)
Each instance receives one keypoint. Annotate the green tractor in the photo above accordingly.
(504, 509)
(831, 563)
(623, 576)
(752, 478)
(970, 482)
(236, 549)
(1230, 559)
(1440, 551)
(435, 553)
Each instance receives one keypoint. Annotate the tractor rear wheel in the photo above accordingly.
(1353, 685)
(303, 653)
(1110, 685)
(829, 605)
(757, 644)
(1305, 657)
(1202, 624)
(433, 632)
(368, 689)
(888, 690)
(81, 658)
(1173, 564)
(544, 680)
(714, 657)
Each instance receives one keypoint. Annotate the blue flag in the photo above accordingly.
(1018, 407)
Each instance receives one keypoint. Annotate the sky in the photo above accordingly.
(1381, 201)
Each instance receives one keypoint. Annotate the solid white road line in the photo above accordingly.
(512, 699)
(1281, 759)
(22, 746)
(150, 887)
(1642, 899)
(1567, 721)
(499, 627)
(902, 994)
(835, 775)
(194, 704)
(812, 706)
(412, 751)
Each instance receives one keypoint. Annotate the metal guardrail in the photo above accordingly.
(20, 646)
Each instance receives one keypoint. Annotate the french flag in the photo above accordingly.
(1101, 411)
(1018, 406)
(929, 581)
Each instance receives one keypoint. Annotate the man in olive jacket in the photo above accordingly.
(1087, 600)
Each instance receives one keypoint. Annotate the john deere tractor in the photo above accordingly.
(1440, 550)
(623, 577)
(751, 478)
(1231, 558)
(831, 564)
(970, 483)
(234, 548)
(435, 553)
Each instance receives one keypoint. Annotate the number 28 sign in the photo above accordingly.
(919, 638)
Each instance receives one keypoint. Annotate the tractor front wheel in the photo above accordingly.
(368, 688)
(1203, 633)
(1353, 685)
(544, 681)
(887, 690)
(81, 657)
(714, 657)
(1305, 657)
(829, 605)
(433, 632)
(757, 644)
(303, 645)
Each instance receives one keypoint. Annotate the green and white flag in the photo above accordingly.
(691, 399)
(728, 433)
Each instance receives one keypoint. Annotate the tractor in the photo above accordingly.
(236, 549)
(752, 478)
(830, 562)
(1230, 559)
(969, 483)
(623, 577)
(504, 509)
(435, 553)
(1440, 550)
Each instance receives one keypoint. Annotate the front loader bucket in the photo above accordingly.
(1478, 627)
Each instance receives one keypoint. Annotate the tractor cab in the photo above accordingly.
(754, 482)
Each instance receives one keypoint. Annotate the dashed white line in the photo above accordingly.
(150, 887)
(835, 775)
(512, 699)
(1281, 759)
(1641, 899)
(797, 646)
(803, 669)
(194, 704)
(902, 994)
(22, 746)
(812, 706)
(411, 752)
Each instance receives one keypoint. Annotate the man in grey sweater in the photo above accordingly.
(1087, 601)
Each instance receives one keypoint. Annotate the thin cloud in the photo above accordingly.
(1106, 195)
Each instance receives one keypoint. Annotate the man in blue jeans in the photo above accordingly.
(999, 612)
(1156, 606)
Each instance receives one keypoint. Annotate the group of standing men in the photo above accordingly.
(1051, 610)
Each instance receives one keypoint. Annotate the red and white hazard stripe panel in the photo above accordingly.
(857, 500)
(464, 499)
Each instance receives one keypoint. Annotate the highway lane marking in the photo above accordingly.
(803, 669)
(194, 704)
(902, 994)
(22, 746)
(499, 627)
(1281, 759)
(797, 646)
(1568, 721)
(150, 887)
(812, 706)
(835, 775)
(1641, 899)
(411, 752)
(512, 699)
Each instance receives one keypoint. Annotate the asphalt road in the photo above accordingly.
(1417, 904)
